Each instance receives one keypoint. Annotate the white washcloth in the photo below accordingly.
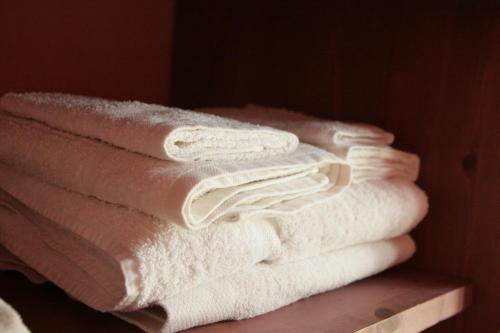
(191, 194)
(129, 260)
(363, 146)
(309, 129)
(10, 320)
(379, 162)
(265, 287)
(153, 130)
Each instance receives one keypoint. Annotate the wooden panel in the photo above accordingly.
(115, 48)
(399, 301)
(428, 71)
(270, 52)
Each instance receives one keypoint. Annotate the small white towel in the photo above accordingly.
(309, 129)
(363, 146)
(191, 194)
(10, 320)
(153, 130)
(379, 162)
(112, 258)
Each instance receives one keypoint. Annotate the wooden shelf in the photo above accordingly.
(399, 300)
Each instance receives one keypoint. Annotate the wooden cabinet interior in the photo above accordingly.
(428, 71)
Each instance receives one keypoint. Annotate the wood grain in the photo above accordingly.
(115, 48)
(428, 71)
(397, 301)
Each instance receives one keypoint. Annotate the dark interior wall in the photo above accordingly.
(271, 52)
(428, 72)
(113, 48)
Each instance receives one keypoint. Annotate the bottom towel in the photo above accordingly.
(266, 286)
(10, 320)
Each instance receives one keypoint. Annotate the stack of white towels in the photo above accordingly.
(171, 218)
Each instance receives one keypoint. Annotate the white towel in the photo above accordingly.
(363, 146)
(191, 194)
(379, 162)
(309, 129)
(153, 130)
(129, 260)
(10, 320)
(265, 287)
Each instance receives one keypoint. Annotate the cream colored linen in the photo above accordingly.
(129, 260)
(10, 320)
(364, 147)
(265, 287)
(309, 129)
(153, 130)
(190, 194)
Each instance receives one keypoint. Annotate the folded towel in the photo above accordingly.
(129, 260)
(10, 320)
(191, 194)
(363, 146)
(379, 162)
(309, 129)
(265, 287)
(153, 130)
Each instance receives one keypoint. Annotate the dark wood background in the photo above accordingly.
(427, 70)
(115, 48)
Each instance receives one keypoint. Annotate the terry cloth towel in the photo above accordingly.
(316, 131)
(10, 320)
(363, 146)
(265, 287)
(191, 194)
(379, 162)
(129, 260)
(153, 130)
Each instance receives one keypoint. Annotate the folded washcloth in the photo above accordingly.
(363, 146)
(191, 194)
(154, 130)
(379, 162)
(309, 129)
(10, 320)
(112, 258)
(265, 287)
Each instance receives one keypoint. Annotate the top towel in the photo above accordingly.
(315, 131)
(153, 130)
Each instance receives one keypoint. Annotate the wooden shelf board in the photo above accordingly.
(399, 300)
